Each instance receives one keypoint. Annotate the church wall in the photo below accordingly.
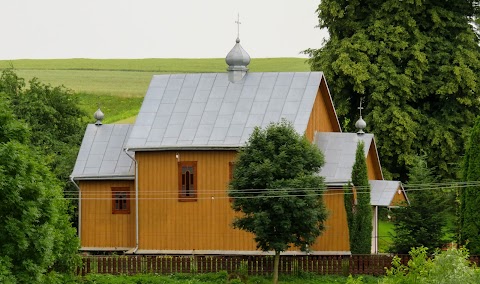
(100, 228)
(205, 224)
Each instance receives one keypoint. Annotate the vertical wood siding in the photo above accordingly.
(101, 228)
(335, 237)
(322, 117)
(399, 199)
(373, 167)
(169, 224)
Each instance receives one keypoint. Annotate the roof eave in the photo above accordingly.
(104, 177)
(186, 148)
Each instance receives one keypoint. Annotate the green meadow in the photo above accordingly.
(118, 85)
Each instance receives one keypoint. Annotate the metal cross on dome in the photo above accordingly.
(238, 25)
(360, 107)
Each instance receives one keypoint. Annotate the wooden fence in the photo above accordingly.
(252, 265)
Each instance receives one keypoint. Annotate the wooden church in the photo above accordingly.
(160, 186)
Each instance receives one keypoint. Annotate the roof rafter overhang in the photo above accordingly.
(186, 148)
(105, 177)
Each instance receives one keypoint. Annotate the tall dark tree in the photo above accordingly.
(276, 189)
(470, 196)
(36, 237)
(359, 211)
(423, 221)
(417, 63)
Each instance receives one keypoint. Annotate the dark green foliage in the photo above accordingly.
(359, 215)
(470, 196)
(275, 187)
(416, 63)
(36, 236)
(56, 122)
(423, 221)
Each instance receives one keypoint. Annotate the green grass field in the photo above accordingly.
(118, 85)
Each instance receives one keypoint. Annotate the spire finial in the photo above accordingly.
(238, 27)
(237, 59)
(360, 107)
(98, 115)
(360, 124)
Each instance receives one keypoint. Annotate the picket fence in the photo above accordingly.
(252, 265)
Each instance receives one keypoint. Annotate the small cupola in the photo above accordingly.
(98, 115)
(360, 124)
(237, 60)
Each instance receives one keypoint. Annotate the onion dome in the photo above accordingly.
(98, 115)
(237, 60)
(360, 125)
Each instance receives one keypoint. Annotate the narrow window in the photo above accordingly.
(187, 181)
(120, 200)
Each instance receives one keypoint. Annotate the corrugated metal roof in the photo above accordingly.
(383, 191)
(101, 153)
(207, 110)
(339, 151)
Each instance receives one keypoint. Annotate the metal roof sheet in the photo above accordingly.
(101, 153)
(207, 110)
(383, 191)
(339, 151)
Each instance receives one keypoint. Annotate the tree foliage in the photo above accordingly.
(55, 121)
(359, 211)
(416, 63)
(446, 267)
(53, 115)
(276, 189)
(36, 236)
(470, 195)
(423, 221)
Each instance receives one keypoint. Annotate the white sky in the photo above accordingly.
(156, 28)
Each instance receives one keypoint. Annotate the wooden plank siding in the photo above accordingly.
(399, 199)
(335, 237)
(373, 164)
(166, 223)
(322, 117)
(101, 228)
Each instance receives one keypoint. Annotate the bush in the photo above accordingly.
(451, 266)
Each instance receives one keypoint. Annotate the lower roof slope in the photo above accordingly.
(101, 154)
(383, 192)
(339, 151)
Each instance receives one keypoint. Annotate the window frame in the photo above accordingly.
(115, 191)
(181, 195)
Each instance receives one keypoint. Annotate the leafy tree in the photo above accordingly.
(276, 188)
(423, 221)
(359, 215)
(56, 122)
(36, 236)
(470, 196)
(416, 63)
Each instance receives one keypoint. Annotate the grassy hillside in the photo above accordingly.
(118, 85)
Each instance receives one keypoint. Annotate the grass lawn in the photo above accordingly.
(385, 228)
(119, 85)
(220, 277)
